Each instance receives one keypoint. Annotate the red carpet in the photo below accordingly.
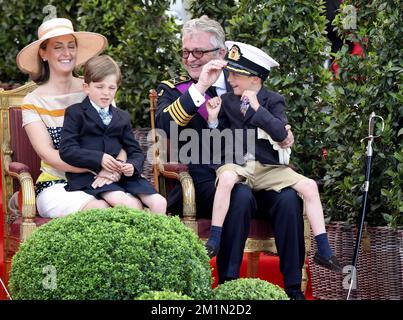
(269, 270)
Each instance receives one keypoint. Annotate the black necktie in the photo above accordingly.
(212, 91)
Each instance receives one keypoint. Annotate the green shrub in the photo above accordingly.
(365, 84)
(163, 295)
(114, 253)
(249, 289)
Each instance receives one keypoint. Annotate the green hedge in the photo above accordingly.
(114, 253)
(163, 295)
(249, 289)
(366, 84)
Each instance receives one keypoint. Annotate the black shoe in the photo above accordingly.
(295, 295)
(211, 251)
(330, 263)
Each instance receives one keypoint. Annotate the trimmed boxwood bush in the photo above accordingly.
(249, 289)
(114, 253)
(163, 295)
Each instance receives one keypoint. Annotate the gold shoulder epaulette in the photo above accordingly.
(175, 81)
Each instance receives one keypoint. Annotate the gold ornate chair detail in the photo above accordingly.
(261, 237)
(20, 166)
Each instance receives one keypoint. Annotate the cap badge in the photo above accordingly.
(234, 53)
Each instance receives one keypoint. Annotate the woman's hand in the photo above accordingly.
(105, 177)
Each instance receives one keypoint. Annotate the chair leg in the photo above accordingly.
(253, 264)
(304, 282)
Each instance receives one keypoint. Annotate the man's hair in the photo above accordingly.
(99, 67)
(205, 24)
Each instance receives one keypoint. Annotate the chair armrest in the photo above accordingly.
(21, 173)
(180, 172)
(17, 168)
(171, 170)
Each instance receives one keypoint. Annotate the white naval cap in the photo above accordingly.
(248, 60)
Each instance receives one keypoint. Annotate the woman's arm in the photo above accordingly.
(42, 143)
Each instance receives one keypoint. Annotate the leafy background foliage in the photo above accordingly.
(326, 112)
(142, 39)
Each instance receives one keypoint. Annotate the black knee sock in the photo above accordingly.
(215, 237)
(322, 242)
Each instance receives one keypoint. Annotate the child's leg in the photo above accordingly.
(226, 181)
(156, 202)
(115, 198)
(309, 189)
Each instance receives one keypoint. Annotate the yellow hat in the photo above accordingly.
(89, 44)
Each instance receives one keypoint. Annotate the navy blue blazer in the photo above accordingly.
(85, 139)
(270, 117)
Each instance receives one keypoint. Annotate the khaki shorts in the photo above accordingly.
(260, 176)
(55, 201)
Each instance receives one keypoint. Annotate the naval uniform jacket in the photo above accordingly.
(269, 117)
(177, 110)
(85, 139)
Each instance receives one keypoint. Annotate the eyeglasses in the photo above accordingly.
(197, 53)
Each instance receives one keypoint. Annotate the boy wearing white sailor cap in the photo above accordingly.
(262, 165)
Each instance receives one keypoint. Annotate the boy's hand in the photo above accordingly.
(289, 140)
(252, 96)
(110, 163)
(213, 107)
(127, 169)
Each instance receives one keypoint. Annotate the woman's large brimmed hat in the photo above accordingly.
(89, 44)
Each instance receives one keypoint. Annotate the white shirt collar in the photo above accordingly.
(99, 108)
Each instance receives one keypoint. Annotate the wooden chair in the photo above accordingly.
(261, 237)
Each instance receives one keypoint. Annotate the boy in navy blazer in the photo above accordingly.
(262, 165)
(94, 132)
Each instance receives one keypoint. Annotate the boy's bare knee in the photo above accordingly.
(133, 202)
(158, 204)
(227, 180)
(310, 188)
(96, 204)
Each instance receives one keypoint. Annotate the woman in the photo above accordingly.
(50, 62)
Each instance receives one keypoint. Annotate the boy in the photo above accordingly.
(94, 131)
(252, 107)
